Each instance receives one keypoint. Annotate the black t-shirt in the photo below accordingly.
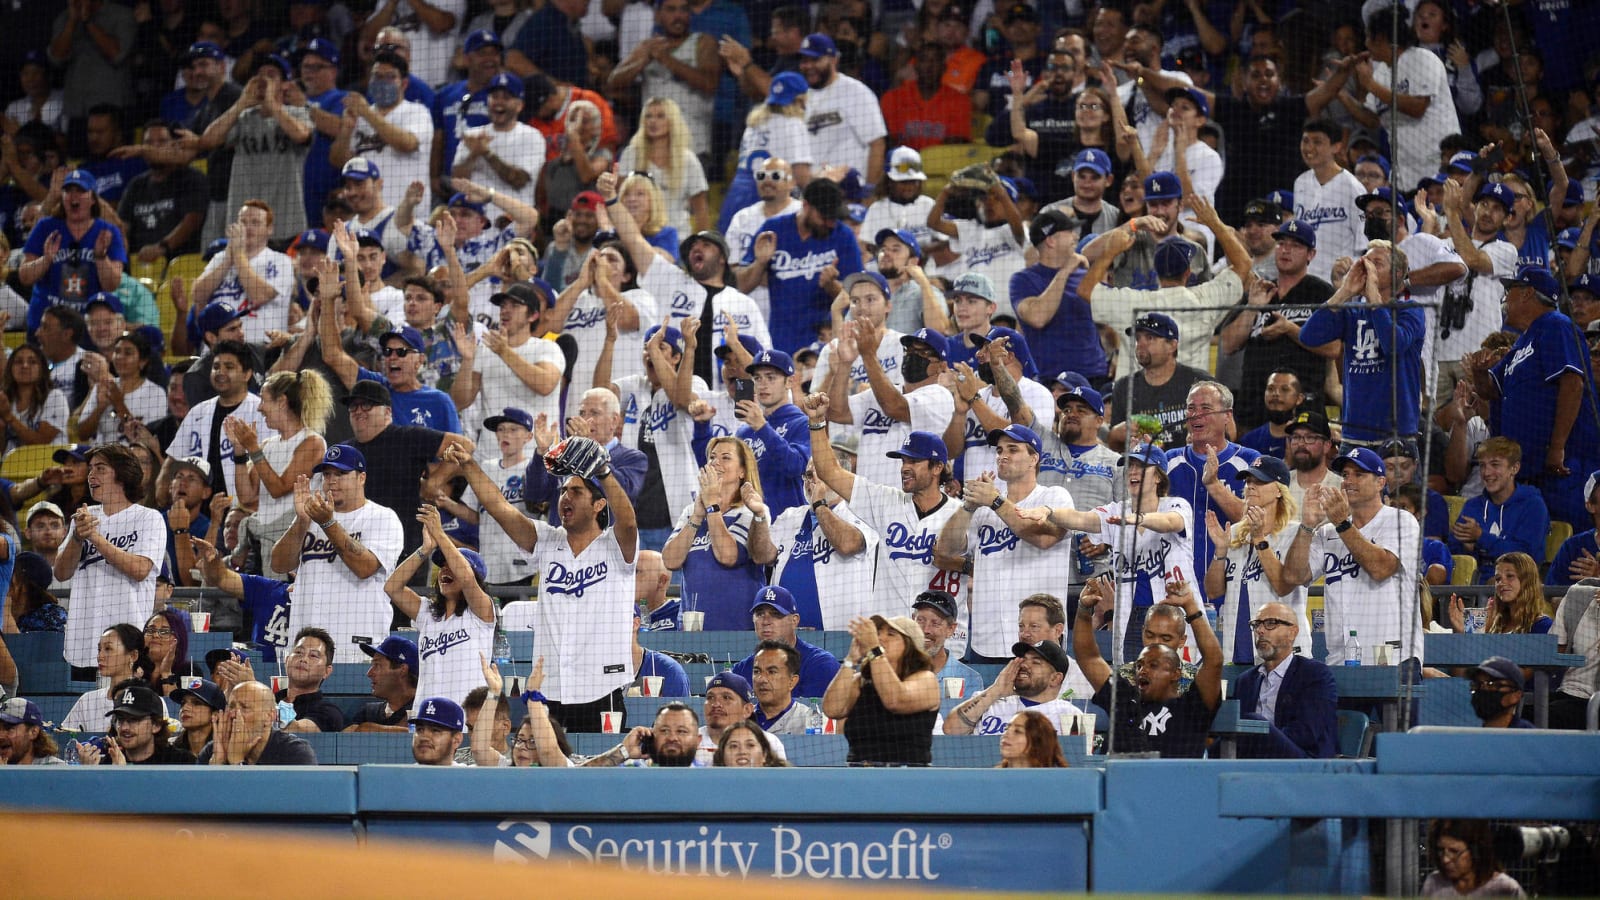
(1165, 402)
(152, 208)
(281, 750)
(374, 713)
(1175, 728)
(1263, 357)
(397, 460)
(1263, 150)
(317, 708)
(166, 755)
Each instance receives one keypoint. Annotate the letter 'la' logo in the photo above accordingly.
(531, 838)
(429, 710)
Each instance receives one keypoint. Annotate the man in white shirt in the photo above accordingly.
(430, 26)
(343, 548)
(1187, 110)
(361, 185)
(1325, 197)
(1145, 97)
(1009, 395)
(1033, 679)
(388, 130)
(258, 280)
(904, 208)
(1420, 90)
(111, 554)
(842, 114)
(1471, 310)
(885, 415)
(512, 367)
(993, 243)
(866, 297)
(1367, 553)
(201, 433)
(505, 155)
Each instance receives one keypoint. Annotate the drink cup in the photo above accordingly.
(955, 687)
(1086, 728)
(610, 721)
(694, 620)
(280, 683)
(652, 685)
(202, 622)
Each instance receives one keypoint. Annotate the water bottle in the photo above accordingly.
(502, 660)
(1352, 650)
(816, 721)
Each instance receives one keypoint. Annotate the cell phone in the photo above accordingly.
(743, 389)
(647, 745)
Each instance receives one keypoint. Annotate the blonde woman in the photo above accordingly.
(664, 148)
(1247, 568)
(643, 199)
(775, 129)
(1518, 605)
(296, 405)
(723, 538)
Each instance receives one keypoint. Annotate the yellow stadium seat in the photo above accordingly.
(169, 313)
(188, 267)
(150, 273)
(943, 160)
(15, 339)
(1560, 532)
(1454, 502)
(27, 461)
(1466, 570)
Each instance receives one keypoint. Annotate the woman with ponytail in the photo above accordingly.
(296, 405)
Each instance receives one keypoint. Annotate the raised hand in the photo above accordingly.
(766, 245)
(1208, 475)
(815, 406)
(545, 433)
(220, 504)
(491, 675)
(319, 508)
(1215, 530)
(302, 497)
(1095, 591)
(432, 528)
(752, 500)
(979, 491)
(1255, 518)
(750, 413)
(710, 487)
(578, 426)
(1335, 504)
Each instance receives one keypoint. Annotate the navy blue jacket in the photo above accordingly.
(539, 486)
(1307, 709)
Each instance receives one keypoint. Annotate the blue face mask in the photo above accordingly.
(383, 93)
(285, 712)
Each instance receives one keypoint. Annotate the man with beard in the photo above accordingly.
(925, 110)
(1310, 441)
(441, 726)
(842, 114)
(1055, 321)
(1144, 94)
(1132, 262)
(1269, 339)
(23, 740)
(573, 240)
(914, 302)
(361, 185)
(677, 63)
(1272, 118)
(163, 208)
(505, 155)
(138, 731)
(1294, 694)
(729, 699)
(886, 414)
(514, 366)
(1158, 387)
(1156, 714)
(201, 433)
(775, 185)
(1075, 459)
(1284, 397)
(797, 254)
(1033, 679)
(1472, 305)
(671, 742)
(702, 282)
(903, 206)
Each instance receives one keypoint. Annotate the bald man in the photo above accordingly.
(650, 579)
(246, 734)
(1295, 693)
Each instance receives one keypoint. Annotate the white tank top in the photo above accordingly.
(275, 511)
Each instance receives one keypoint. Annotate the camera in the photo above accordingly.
(1543, 843)
(743, 389)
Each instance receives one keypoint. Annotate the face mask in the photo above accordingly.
(383, 93)
(986, 372)
(1280, 416)
(914, 368)
(1376, 230)
(285, 712)
(1487, 704)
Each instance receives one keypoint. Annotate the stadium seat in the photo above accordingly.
(1466, 570)
(150, 273)
(1560, 532)
(1454, 502)
(188, 267)
(940, 162)
(1355, 734)
(28, 461)
(168, 312)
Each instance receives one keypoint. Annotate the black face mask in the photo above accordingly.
(1488, 704)
(914, 367)
(1376, 229)
(1280, 416)
(986, 372)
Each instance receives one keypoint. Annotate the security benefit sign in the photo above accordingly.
(936, 855)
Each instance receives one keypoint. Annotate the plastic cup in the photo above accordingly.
(280, 683)
(694, 620)
(652, 685)
(202, 622)
(610, 721)
(955, 687)
(1086, 728)
(191, 683)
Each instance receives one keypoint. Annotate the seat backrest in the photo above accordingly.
(1560, 533)
(1353, 728)
(1466, 569)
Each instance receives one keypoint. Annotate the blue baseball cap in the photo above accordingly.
(17, 711)
(213, 248)
(443, 712)
(1586, 282)
(510, 415)
(460, 199)
(1162, 186)
(395, 649)
(480, 569)
(82, 179)
(314, 239)
(284, 67)
(1026, 187)
(1193, 96)
(1019, 433)
(1298, 230)
(921, 445)
(1010, 186)
(482, 38)
(217, 315)
(1499, 192)
(1384, 194)
(673, 337)
(104, 298)
(1379, 158)
(79, 452)
(507, 82)
(1568, 237)
(1174, 256)
(1015, 342)
(872, 278)
(749, 343)
(344, 457)
(1434, 180)
(855, 212)
(1364, 458)
(933, 339)
(776, 597)
(1268, 469)
(204, 691)
(1574, 195)
(1536, 277)
(736, 683)
(773, 359)
(360, 169)
(1462, 161)
(1086, 394)
(818, 44)
(411, 336)
(786, 88)
(1159, 324)
(322, 47)
(203, 50)
(1283, 199)
(1093, 159)
(1070, 379)
(903, 235)
(1149, 454)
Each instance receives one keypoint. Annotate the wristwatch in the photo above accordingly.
(1344, 526)
(1263, 546)
(996, 503)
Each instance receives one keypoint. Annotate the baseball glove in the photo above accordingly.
(977, 177)
(578, 456)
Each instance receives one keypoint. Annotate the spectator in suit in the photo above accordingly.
(1294, 693)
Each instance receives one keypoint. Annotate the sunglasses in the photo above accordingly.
(771, 175)
(401, 352)
(904, 168)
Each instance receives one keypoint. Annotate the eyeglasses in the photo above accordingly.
(1452, 852)
(1306, 438)
(523, 744)
(401, 352)
(158, 632)
(1268, 624)
(773, 175)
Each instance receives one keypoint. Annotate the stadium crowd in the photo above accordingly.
(609, 317)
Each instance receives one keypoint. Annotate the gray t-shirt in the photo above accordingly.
(268, 166)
